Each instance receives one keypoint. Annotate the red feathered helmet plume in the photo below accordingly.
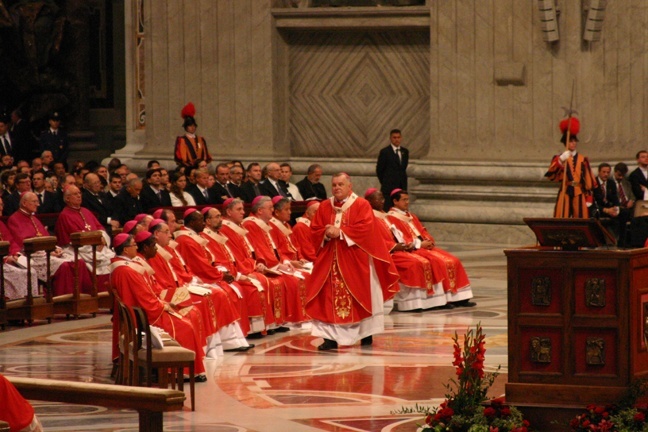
(573, 125)
(188, 113)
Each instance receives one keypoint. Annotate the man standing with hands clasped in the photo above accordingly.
(391, 168)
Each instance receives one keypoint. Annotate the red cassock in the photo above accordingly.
(339, 289)
(254, 305)
(414, 270)
(456, 278)
(190, 257)
(75, 220)
(242, 252)
(282, 235)
(135, 288)
(165, 276)
(294, 293)
(302, 239)
(24, 226)
(15, 409)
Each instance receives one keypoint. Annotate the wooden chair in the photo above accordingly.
(78, 303)
(127, 371)
(34, 307)
(4, 251)
(169, 361)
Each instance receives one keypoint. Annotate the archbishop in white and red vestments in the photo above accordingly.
(353, 274)
(23, 225)
(220, 314)
(136, 288)
(259, 235)
(455, 283)
(421, 285)
(253, 304)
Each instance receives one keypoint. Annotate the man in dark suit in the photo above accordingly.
(639, 182)
(12, 202)
(94, 199)
(391, 168)
(48, 201)
(223, 188)
(250, 188)
(114, 187)
(273, 186)
(6, 137)
(310, 186)
(55, 139)
(200, 191)
(626, 201)
(606, 201)
(153, 195)
(127, 203)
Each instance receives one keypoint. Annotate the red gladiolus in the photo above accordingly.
(489, 412)
(505, 412)
(639, 417)
(428, 419)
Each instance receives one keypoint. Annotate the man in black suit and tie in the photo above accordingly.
(251, 188)
(48, 201)
(273, 186)
(639, 182)
(94, 199)
(127, 203)
(606, 201)
(310, 186)
(391, 168)
(153, 195)
(200, 191)
(12, 201)
(223, 188)
(6, 137)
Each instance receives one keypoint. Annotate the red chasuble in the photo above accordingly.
(246, 264)
(339, 290)
(254, 304)
(281, 234)
(455, 275)
(15, 409)
(414, 271)
(302, 239)
(135, 288)
(74, 220)
(293, 294)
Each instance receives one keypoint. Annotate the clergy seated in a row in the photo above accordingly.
(23, 224)
(15, 277)
(455, 280)
(136, 286)
(75, 218)
(218, 302)
(421, 280)
(266, 251)
(249, 262)
(254, 304)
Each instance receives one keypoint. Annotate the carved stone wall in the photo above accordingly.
(348, 89)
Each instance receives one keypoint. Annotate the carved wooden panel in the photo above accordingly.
(348, 89)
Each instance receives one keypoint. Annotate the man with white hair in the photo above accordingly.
(75, 218)
(353, 274)
(23, 224)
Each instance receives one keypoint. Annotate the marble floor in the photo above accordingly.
(284, 384)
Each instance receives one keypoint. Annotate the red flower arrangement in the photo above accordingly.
(464, 410)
